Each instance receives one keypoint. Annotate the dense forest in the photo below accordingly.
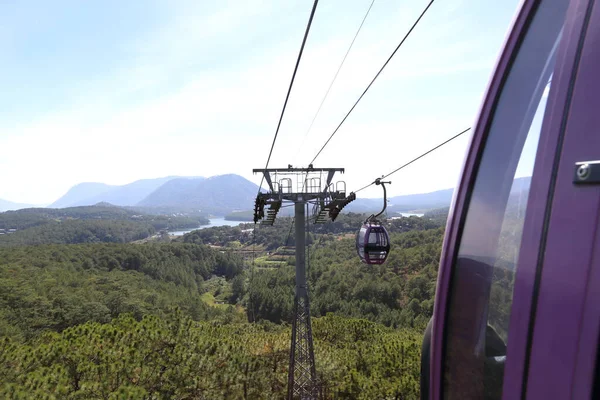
(175, 357)
(273, 237)
(79, 231)
(53, 287)
(195, 317)
(240, 216)
(30, 217)
(86, 224)
(397, 294)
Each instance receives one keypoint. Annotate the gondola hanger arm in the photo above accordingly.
(379, 181)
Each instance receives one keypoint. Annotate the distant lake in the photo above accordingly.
(213, 222)
(411, 214)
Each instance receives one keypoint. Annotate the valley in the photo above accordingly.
(224, 293)
(163, 284)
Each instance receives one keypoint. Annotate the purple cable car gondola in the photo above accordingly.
(517, 312)
(373, 243)
(372, 240)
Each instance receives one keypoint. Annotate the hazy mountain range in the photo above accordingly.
(219, 195)
(411, 202)
(88, 193)
(6, 205)
(228, 192)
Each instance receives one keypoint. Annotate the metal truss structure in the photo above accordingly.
(301, 186)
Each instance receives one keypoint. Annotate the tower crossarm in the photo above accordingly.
(281, 190)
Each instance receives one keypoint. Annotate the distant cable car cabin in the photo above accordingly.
(372, 240)
(372, 243)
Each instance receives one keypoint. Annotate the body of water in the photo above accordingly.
(213, 222)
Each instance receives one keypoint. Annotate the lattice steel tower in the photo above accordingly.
(301, 186)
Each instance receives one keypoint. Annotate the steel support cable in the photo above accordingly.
(287, 240)
(312, 14)
(251, 294)
(335, 77)
(375, 78)
(306, 240)
(415, 159)
(310, 255)
(251, 278)
(286, 244)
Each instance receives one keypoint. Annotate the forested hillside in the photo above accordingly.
(32, 217)
(200, 318)
(175, 357)
(57, 286)
(79, 231)
(279, 235)
(397, 294)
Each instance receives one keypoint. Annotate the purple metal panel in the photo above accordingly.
(536, 206)
(583, 373)
(460, 197)
(561, 349)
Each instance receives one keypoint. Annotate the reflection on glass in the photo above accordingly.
(512, 229)
(480, 299)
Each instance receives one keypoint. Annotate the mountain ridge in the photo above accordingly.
(90, 193)
(6, 205)
(223, 194)
(218, 194)
(421, 201)
(77, 193)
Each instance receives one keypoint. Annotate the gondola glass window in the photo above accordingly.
(361, 239)
(483, 276)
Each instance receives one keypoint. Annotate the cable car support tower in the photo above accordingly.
(301, 186)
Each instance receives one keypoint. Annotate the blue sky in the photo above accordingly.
(116, 91)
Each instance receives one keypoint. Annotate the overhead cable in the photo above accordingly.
(375, 78)
(415, 159)
(287, 241)
(335, 76)
(312, 14)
